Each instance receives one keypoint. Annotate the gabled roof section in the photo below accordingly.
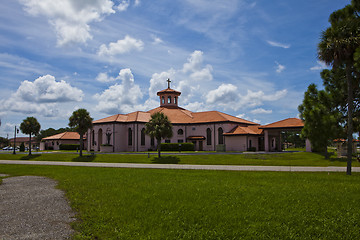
(286, 123)
(64, 136)
(130, 117)
(245, 130)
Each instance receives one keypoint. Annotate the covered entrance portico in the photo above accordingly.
(272, 133)
(198, 142)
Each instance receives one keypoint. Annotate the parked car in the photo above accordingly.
(6, 148)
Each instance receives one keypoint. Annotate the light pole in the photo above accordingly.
(16, 131)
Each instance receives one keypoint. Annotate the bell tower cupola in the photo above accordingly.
(169, 97)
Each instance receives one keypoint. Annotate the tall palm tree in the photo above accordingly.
(336, 48)
(81, 121)
(159, 127)
(30, 126)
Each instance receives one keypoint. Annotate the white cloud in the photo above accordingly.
(277, 44)
(41, 96)
(156, 40)
(187, 80)
(121, 46)
(120, 98)
(260, 111)
(228, 97)
(319, 66)
(70, 18)
(103, 77)
(224, 94)
(123, 5)
(279, 67)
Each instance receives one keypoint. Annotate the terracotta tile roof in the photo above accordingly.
(245, 130)
(345, 140)
(286, 123)
(64, 136)
(176, 115)
(168, 90)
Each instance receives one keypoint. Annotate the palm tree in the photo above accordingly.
(30, 126)
(159, 127)
(81, 121)
(337, 47)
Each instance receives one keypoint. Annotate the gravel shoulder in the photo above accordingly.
(32, 207)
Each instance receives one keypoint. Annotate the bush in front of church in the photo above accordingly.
(177, 147)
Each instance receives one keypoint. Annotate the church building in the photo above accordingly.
(208, 131)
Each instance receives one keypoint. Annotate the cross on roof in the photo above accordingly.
(168, 81)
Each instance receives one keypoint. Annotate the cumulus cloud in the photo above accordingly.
(41, 96)
(188, 79)
(279, 67)
(156, 39)
(123, 5)
(70, 18)
(260, 111)
(121, 46)
(277, 44)
(120, 98)
(227, 96)
(103, 77)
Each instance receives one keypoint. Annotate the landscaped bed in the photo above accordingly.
(192, 204)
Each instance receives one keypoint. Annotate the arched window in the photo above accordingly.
(180, 132)
(93, 137)
(250, 144)
(220, 136)
(175, 100)
(129, 137)
(162, 99)
(143, 137)
(208, 136)
(169, 99)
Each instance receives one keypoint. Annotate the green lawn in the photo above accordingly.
(189, 204)
(281, 159)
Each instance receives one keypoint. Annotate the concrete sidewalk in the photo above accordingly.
(182, 166)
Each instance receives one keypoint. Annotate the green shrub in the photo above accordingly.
(252, 149)
(22, 147)
(176, 147)
(69, 146)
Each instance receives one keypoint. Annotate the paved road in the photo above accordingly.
(181, 166)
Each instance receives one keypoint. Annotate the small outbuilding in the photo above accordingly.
(54, 142)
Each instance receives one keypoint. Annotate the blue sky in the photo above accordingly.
(251, 59)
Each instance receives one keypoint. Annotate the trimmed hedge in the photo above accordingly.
(69, 146)
(175, 147)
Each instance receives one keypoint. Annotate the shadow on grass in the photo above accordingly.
(30, 157)
(84, 158)
(166, 160)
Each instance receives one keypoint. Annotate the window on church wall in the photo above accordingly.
(162, 99)
(220, 136)
(167, 141)
(175, 100)
(129, 137)
(180, 132)
(169, 99)
(93, 137)
(208, 136)
(143, 137)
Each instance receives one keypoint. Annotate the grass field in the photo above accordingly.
(189, 204)
(280, 159)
